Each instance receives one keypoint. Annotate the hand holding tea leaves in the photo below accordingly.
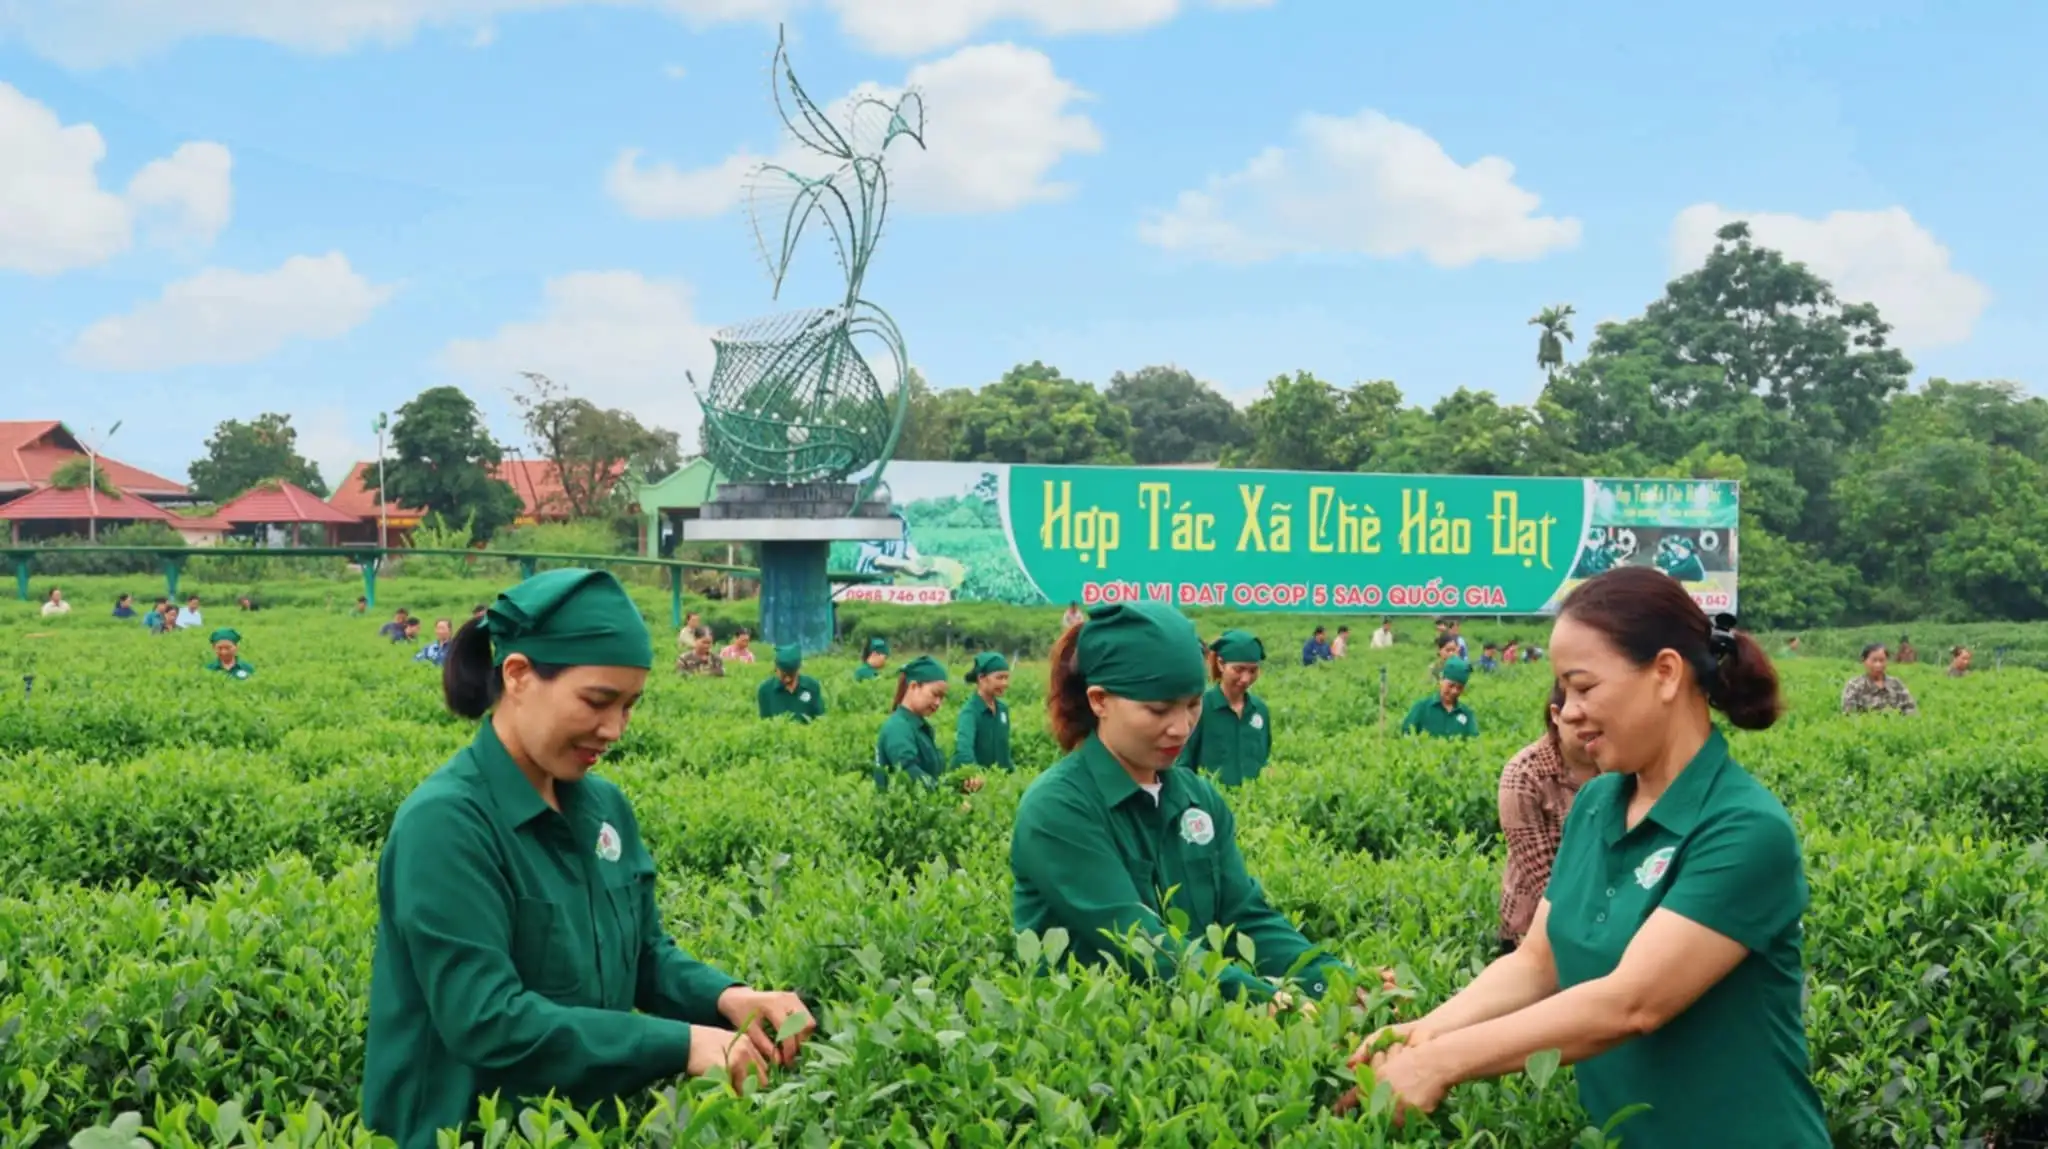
(1284, 1001)
(747, 1009)
(712, 1049)
(971, 786)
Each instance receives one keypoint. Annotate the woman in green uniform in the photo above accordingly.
(906, 742)
(1235, 734)
(1110, 826)
(519, 948)
(1442, 715)
(1665, 957)
(227, 653)
(983, 736)
(789, 691)
(872, 659)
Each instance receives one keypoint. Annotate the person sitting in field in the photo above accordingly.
(227, 657)
(700, 659)
(412, 630)
(1958, 662)
(436, 651)
(741, 648)
(1874, 689)
(788, 692)
(124, 607)
(55, 604)
(1906, 652)
(1446, 650)
(1536, 791)
(362, 606)
(1384, 636)
(161, 617)
(1442, 715)
(1489, 657)
(395, 629)
(1341, 645)
(189, 618)
(1317, 648)
(687, 636)
(873, 657)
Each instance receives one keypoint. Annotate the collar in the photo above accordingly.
(1214, 699)
(1678, 808)
(511, 795)
(913, 716)
(1115, 785)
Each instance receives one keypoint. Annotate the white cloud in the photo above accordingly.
(616, 338)
(96, 33)
(222, 317)
(334, 440)
(1362, 185)
(914, 27)
(1882, 257)
(999, 120)
(55, 216)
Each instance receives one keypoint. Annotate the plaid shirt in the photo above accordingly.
(1536, 792)
(708, 664)
(1860, 694)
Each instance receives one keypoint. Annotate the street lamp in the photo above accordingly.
(383, 501)
(92, 484)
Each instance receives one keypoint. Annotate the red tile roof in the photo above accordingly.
(538, 482)
(51, 505)
(281, 502)
(32, 450)
(359, 502)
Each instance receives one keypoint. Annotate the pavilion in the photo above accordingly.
(51, 511)
(278, 503)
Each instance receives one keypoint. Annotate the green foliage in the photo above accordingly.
(441, 460)
(1176, 418)
(190, 905)
(1033, 414)
(78, 473)
(143, 534)
(592, 448)
(241, 454)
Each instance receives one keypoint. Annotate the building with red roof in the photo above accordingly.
(50, 511)
(538, 482)
(31, 451)
(282, 504)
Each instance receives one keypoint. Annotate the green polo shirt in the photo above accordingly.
(983, 736)
(1232, 746)
(1720, 850)
(906, 744)
(1428, 716)
(242, 668)
(804, 703)
(514, 945)
(1092, 851)
(863, 672)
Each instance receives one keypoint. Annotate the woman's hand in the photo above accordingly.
(749, 1010)
(713, 1049)
(971, 786)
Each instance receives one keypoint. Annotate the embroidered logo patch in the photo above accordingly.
(1197, 827)
(1652, 870)
(805, 696)
(1258, 722)
(608, 843)
(1461, 720)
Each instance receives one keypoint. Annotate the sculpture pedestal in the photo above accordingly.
(794, 528)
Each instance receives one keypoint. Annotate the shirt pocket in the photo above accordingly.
(625, 897)
(540, 949)
(1201, 889)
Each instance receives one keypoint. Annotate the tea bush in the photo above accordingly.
(188, 908)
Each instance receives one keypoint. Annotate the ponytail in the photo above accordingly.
(1215, 662)
(902, 688)
(1746, 686)
(1066, 696)
(471, 682)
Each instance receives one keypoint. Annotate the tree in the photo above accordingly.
(241, 455)
(1556, 323)
(591, 447)
(1176, 418)
(1033, 414)
(930, 428)
(1303, 423)
(79, 473)
(441, 462)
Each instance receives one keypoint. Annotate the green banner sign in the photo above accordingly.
(1289, 540)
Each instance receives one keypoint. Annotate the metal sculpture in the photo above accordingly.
(791, 399)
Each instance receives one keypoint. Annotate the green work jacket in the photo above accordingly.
(1428, 716)
(242, 669)
(804, 703)
(1232, 746)
(1720, 850)
(1092, 851)
(906, 744)
(514, 946)
(983, 736)
(863, 672)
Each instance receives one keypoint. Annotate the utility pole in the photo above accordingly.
(383, 503)
(92, 484)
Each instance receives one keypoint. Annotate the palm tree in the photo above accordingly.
(1556, 323)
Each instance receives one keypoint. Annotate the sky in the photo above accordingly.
(211, 209)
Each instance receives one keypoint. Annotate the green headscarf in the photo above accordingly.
(789, 659)
(923, 668)
(876, 646)
(1239, 646)
(1458, 670)
(225, 634)
(1144, 651)
(569, 617)
(987, 662)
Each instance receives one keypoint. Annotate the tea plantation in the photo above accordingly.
(187, 906)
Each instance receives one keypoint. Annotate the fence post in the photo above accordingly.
(22, 562)
(174, 566)
(675, 598)
(370, 581)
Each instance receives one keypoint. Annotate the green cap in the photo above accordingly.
(987, 662)
(1239, 646)
(225, 634)
(1458, 670)
(569, 617)
(789, 658)
(923, 668)
(877, 646)
(1145, 651)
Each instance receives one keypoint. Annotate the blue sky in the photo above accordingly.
(251, 206)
